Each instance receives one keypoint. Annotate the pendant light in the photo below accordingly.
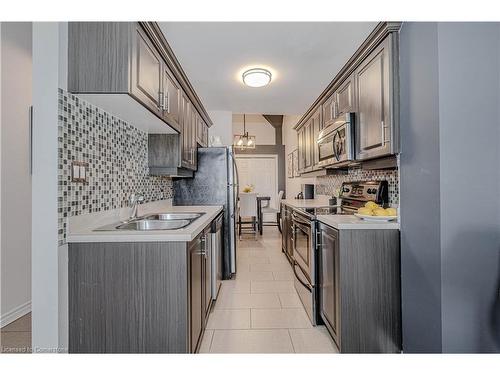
(244, 141)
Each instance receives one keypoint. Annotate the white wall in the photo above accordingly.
(222, 126)
(16, 179)
(290, 142)
(45, 252)
(257, 125)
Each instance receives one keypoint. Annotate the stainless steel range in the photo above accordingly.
(353, 196)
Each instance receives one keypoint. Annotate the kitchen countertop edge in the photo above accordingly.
(353, 222)
(186, 234)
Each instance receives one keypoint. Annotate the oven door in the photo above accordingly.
(302, 244)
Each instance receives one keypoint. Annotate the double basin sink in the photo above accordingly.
(163, 221)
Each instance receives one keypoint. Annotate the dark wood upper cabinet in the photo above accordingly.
(317, 127)
(129, 70)
(374, 121)
(367, 85)
(201, 132)
(171, 96)
(344, 98)
(147, 73)
(340, 102)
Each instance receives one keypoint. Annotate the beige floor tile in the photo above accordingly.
(246, 254)
(279, 259)
(23, 324)
(248, 244)
(283, 275)
(242, 266)
(247, 300)
(251, 341)
(272, 287)
(15, 342)
(256, 275)
(235, 286)
(229, 319)
(275, 267)
(206, 341)
(285, 318)
(314, 340)
(290, 300)
(253, 260)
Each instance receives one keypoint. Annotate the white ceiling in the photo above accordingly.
(303, 56)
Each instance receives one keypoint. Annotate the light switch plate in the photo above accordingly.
(79, 171)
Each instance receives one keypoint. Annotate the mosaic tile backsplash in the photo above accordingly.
(117, 157)
(327, 185)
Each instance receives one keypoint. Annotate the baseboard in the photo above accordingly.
(15, 314)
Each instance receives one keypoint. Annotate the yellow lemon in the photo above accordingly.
(371, 205)
(365, 211)
(391, 211)
(379, 212)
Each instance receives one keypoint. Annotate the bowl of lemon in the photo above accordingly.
(373, 212)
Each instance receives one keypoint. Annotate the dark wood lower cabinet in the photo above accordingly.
(196, 291)
(137, 297)
(360, 288)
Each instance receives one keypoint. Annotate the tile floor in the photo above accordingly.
(260, 311)
(16, 336)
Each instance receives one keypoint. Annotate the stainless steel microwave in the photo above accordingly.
(336, 142)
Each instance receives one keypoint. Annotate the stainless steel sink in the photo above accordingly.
(154, 225)
(174, 216)
(162, 221)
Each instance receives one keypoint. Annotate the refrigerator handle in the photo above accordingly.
(237, 195)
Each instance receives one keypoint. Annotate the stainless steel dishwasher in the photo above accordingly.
(217, 246)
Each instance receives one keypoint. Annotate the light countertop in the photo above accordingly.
(320, 201)
(81, 228)
(353, 222)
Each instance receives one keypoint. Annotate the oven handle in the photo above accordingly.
(307, 286)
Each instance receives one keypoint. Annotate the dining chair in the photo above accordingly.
(247, 209)
(267, 209)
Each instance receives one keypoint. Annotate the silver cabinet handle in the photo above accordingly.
(166, 103)
(383, 132)
(160, 100)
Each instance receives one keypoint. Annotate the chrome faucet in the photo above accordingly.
(133, 201)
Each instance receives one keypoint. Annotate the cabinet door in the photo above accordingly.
(344, 98)
(329, 280)
(194, 143)
(196, 291)
(300, 147)
(307, 146)
(186, 135)
(207, 260)
(171, 96)
(147, 74)
(328, 110)
(373, 123)
(316, 119)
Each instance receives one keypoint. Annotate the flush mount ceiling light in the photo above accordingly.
(257, 77)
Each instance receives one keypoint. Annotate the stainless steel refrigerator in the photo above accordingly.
(214, 183)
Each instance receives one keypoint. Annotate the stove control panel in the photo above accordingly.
(365, 191)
